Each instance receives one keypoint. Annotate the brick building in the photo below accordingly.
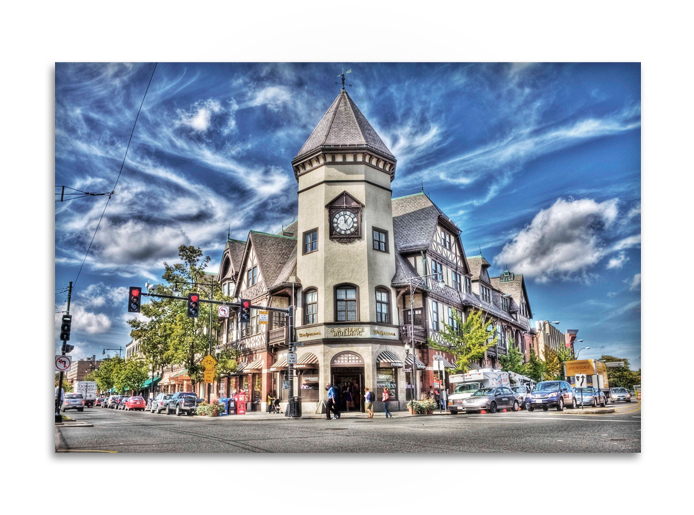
(79, 369)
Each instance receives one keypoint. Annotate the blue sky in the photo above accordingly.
(538, 164)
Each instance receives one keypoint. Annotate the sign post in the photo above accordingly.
(580, 380)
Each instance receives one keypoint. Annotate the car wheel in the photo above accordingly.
(530, 408)
(574, 405)
(545, 408)
(492, 407)
(80, 409)
(178, 411)
(628, 400)
(190, 413)
(560, 405)
(594, 403)
(515, 406)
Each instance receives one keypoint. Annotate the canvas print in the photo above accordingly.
(347, 257)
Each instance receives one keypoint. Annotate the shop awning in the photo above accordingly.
(151, 380)
(446, 363)
(307, 361)
(388, 359)
(410, 359)
(180, 373)
(253, 367)
(280, 365)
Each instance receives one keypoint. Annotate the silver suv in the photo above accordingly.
(159, 402)
(549, 394)
(73, 401)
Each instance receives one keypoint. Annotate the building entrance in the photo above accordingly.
(350, 381)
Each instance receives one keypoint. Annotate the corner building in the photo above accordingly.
(349, 265)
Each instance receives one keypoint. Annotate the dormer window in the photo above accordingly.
(468, 284)
(485, 293)
(252, 276)
(447, 240)
(505, 303)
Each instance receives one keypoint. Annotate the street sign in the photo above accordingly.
(208, 362)
(291, 358)
(263, 317)
(223, 312)
(580, 380)
(62, 363)
(209, 376)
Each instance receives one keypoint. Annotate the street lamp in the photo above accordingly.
(410, 281)
(579, 351)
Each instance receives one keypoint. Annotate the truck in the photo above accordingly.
(594, 370)
(465, 385)
(88, 390)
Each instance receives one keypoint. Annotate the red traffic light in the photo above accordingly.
(246, 304)
(194, 298)
(135, 293)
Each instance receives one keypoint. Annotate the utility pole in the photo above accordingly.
(292, 408)
(58, 399)
(209, 385)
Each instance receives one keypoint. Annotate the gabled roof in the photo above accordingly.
(288, 270)
(477, 263)
(415, 218)
(234, 249)
(290, 230)
(344, 125)
(513, 288)
(272, 252)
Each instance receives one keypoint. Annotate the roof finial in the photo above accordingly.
(480, 247)
(229, 233)
(422, 186)
(343, 77)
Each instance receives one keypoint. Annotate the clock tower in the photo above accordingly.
(345, 253)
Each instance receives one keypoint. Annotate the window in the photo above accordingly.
(452, 323)
(500, 335)
(437, 271)
(278, 319)
(311, 307)
(456, 280)
(468, 284)
(505, 303)
(383, 306)
(486, 293)
(252, 276)
(254, 321)
(310, 241)
(447, 240)
(417, 316)
(435, 315)
(380, 240)
(346, 305)
(387, 378)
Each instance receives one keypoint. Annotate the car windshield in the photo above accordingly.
(187, 394)
(619, 390)
(482, 392)
(466, 388)
(547, 387)
(73, 395)
(519, 389)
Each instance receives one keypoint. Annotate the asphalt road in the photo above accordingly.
(521, 432)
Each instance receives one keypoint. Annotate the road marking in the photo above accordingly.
(84, 450)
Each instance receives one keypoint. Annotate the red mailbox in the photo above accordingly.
(240, 401)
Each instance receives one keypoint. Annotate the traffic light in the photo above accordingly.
(65, 328)
(134, 299)
(193, 305)
(245, 313)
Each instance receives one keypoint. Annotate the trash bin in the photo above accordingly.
(293, 408)
(224, 402)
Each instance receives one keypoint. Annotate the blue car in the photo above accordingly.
(551, 394)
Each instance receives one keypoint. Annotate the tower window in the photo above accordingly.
(310, 241)
(380, 242)
(311, 307)
(383, 306)
(346, 304)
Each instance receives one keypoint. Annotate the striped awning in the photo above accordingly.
(253, 367)
(446, 363)
(410, 359)
(388, 359)
(280, 365)
(307, 361)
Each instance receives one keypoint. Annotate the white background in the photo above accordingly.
(37, 34)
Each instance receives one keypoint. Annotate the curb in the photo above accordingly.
(73, 424)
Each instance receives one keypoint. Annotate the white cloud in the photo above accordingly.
(201, 115)
(617, 261)
(84, 321)
(561, 241)
(612, 294)
(620, 311)
(99, 294)
(627, 243)
(634, 282)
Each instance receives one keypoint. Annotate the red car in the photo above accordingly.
(135, 403)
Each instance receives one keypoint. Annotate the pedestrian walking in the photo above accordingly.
(386, 398)
(270, 402)
(444, 399)
(369, 402)
(330, 402)
(348, 398)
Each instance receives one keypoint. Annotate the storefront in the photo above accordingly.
(307, 376)
(410, 363)
(347, 374)
(387, 365)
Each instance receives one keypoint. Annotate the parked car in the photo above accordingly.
(620, 394)
(99, 402)
(590, 397)
(491, 399)
(73, 401)
(134, 403)
(550, 394)
(112, 402)
(182, 402)
(521, 392)
(159, 402)
(121, 402)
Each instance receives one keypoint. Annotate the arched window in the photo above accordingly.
(382, 305)
(311, 307)
(346, 303)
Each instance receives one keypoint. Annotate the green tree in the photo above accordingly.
(513, 360)
(105, 375)
(67, 387)
(468, 340)
(536, 367)
(227, 363)
(131, 376)
(621, 376)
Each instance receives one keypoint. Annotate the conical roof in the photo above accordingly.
(344, 125)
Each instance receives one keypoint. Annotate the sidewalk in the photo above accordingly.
(345, 415)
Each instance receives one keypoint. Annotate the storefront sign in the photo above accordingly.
(346, 331)
(262, 317)
(310, 379)
(309, 334)
(384, 333)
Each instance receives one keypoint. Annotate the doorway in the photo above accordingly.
(349, 379)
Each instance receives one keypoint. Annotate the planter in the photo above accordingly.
(214, 414)
(429, 412)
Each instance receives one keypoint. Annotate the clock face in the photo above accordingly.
(344, 222)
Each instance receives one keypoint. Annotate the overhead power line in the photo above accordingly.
(119, 174)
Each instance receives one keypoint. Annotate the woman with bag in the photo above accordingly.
(386, 398)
